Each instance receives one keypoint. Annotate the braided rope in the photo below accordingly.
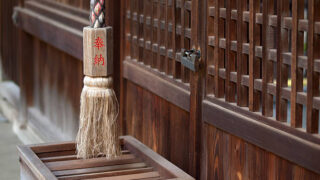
(97, 13)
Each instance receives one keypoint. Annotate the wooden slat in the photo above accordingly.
(219, 90)
(99, 169)
(130, 9)
(88, 163)
(313, 78)
(154, 35)
(170, 40)
(282, 72)
(107, 174)
(69, 157)
(256, 64)
(43, 28)
(242, 97)
(209, 25)
(56, 153)
(127, 31)
(196, 91)
(163, 60)
(228, 60)
(177, 37)
(63, 7)
(52, 147)
(252, 9)
(296, 73)
(157, 34)
(58, 158)
(267, 65)
(132, 176)
(61, 16)
(183, 41)
(140, 26)
(147, 31)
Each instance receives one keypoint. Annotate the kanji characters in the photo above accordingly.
(98, 60)
(98, 43)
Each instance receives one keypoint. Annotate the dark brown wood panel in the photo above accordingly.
(82, 4)
(8, 42)
(285, 145)
(55, 89)
(159, 124)
(230, 157)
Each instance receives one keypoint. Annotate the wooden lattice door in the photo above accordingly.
(160, 100)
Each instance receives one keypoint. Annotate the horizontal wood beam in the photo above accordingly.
(61, 36)
(64, 7)
(156, 84)
(62, 16)
(277, 141)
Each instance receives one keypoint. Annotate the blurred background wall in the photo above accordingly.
(41, 66)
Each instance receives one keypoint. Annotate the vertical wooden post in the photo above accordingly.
(196, 95)
(296, 72)
(282, 69)
(313, 77)
(113, 19)
(252, 54)
(267, 65)
(25, 68)
(219, 89)
(228, 60)
(242, 91)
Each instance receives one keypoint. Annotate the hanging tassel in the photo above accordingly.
(98, 130)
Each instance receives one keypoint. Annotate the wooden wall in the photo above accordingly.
(49, 72)
(232, 108)
(83, 4)
(230, 157)
(158, 123)
(8, 41)
(57, 83)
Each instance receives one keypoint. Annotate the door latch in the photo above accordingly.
(191, 59)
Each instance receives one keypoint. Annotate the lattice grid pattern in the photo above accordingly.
(274, 71)
(156, 33)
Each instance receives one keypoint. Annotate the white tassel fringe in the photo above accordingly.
(98, 133)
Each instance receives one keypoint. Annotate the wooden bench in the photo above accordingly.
(59, 161)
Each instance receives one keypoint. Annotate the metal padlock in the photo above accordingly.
(191, 59)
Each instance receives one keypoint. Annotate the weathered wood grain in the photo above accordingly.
(98, 51)
(251, 162)
(138, 162)
(266, 137)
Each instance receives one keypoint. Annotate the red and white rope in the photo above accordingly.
(97, 13)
